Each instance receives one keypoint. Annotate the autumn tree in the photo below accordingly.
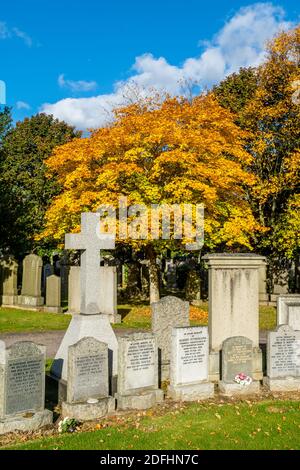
(26, 192)
(267, 105)
(171, 152)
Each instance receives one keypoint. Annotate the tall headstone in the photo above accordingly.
(238, 361)
(90, 322)
(8, 281)
(74, 290)
(280, 284)
(108, 296)
(22, 387)
(138, 372)
(233, 304)
(53, 294)
(288, 310)
(263, 293)
(167, 313)
(108, 292)
(31, 282)
(88, 381)
(283, 360)
(189, 364)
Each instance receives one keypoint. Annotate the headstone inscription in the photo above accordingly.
(22, 387)
(88, 381)
(237, 367)
(189, 364)
(138, 372)
(283, 360)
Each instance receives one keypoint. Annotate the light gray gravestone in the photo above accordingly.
(53, 294)
(74, 290)
(233, 304)
(167, 313)
(22, 387)
(8, 281)
(283, 360)
(88, 381)
(138, 372)
(288, 310)
(108, 293)
(31, 282)
(91, 322)
(237, 358)
(189, 364)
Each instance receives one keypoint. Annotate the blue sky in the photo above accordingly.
(76, 59)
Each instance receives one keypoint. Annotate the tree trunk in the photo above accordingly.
(153, 275)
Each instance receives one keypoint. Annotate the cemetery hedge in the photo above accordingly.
(133, 316)
(270, 424)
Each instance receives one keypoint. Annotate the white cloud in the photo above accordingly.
(7, 33)
(240, 43)
(22, 105)
(4, 33)
(76, 86)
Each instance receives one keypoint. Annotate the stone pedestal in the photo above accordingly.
(199, 391)
(32, 422)
(97, 326)
(286, 384)
(89, 411)
(230, 390)
(141, 401)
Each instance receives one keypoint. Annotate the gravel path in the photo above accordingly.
(52, 339)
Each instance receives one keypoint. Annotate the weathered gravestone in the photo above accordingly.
(108, 292)
(8, 281)
(88, 381)
(288, 310)
(283, 360)
(189, 364)
(238, 361)
(74, 290)
(90, 322)
(31, 282)
(53, 294)
(168, 313)
(233, 304)
(22, 387)
(138, 372)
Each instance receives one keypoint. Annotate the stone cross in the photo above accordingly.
(91, 241)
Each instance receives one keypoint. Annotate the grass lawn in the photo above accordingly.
(133, 316)
(241, 425)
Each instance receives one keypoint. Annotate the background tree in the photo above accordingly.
(26, 191)
(267, 106)
(175, 151)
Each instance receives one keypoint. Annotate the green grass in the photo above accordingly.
(133, 316)
(17, 321)
(264, 425)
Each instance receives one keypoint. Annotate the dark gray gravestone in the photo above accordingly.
(237, 357)
(87, 370)
(24, 379)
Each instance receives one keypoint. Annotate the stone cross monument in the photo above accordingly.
(90, 322)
